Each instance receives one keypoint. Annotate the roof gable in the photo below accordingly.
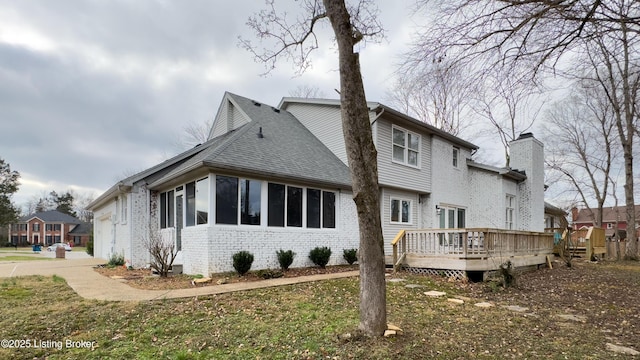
(273, 143)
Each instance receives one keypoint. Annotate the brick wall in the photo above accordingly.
(208, 249)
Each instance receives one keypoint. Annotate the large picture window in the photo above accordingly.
(197, 194)
(250, 201)
(294, 206)
(202, 201)
(406, 147)
(313, 208)
(321, 209)
(191, 203)
(276, 194)
(239, 201)
(226, 200)
(328, 209)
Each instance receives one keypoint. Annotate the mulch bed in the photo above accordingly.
(145, 279)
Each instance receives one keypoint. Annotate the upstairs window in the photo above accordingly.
(406, 147)
(36, 227)
(456, 156)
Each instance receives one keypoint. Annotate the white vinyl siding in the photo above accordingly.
(389, 228)
(325, 123)
(228, 118)
(394, 174)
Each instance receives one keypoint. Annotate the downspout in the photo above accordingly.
(147, 218)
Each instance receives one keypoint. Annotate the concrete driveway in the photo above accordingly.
(77, 270)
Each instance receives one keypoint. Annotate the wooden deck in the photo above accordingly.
(476, 249)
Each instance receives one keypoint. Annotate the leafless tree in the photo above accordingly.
(614, 64)
(541, 35)
(581, 146)
(195, 133)
(507, 104)
(436, 93)
(352, 24)
(307, 92)
(162, 250)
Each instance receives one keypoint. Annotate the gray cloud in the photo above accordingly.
(90, 90)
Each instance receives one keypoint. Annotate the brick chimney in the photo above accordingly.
(574, 215)
(527, 153)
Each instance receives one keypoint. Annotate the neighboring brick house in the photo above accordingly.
(49, 227)
(277, 178)
(613, 217)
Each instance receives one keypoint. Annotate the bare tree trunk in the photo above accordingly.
(632, 248)
(362, 157)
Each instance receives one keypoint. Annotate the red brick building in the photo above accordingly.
(48, 227)
(612, 218)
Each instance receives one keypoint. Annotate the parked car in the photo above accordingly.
(57, 245)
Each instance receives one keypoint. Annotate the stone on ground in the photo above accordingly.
(622, 349)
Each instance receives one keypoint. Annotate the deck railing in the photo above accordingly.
(472, 243)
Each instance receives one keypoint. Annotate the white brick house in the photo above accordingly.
(427, 177)
(276, 178)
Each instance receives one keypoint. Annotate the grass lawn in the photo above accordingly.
(10, 257)
(304, 321)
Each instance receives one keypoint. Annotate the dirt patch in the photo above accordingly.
(145, 279)
(601, 294)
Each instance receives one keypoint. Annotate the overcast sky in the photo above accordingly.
(93, 90)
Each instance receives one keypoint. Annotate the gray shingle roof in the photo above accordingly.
(82, 229)
(51, 216)
(287, 150)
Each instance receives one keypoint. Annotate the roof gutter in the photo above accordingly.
(113, 192)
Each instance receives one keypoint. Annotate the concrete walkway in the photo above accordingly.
(87, 283)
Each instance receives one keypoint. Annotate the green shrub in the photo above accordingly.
(320, 256)
(90, 247)
(116, 260)
(350, 255)
(242, 262)
(285, 258)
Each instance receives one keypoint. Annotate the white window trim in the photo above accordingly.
(123, 209)
(455, 150)
(514, 207)
(391, 199)
(264, 206)
(406, 147)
